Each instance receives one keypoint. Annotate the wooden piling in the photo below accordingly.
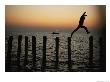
(91, 51)
(8, 57)
(43, 67)
(69, 54)
(34, 51)
(26, 51)
(19, 51)
(102, 52)
(57, 53)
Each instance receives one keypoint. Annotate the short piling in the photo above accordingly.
(91, 51)
(102, 59)
(19, 52)
(8, 57)
(43, 67)
(69, 54)
(34, 51)
(57, 53)
(26, 52)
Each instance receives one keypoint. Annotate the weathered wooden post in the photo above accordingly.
(19, 52)
(57, 53)
(8, 57)
(43, 67)
(91, 51)
(26, 52)
(69, 54)
(34, 51)
(102, 52)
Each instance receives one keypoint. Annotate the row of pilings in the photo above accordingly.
(102, 59)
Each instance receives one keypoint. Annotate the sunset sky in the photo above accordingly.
(53, 17)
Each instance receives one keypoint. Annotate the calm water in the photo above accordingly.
(79, 47)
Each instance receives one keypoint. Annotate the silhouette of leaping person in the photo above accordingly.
(81, 21)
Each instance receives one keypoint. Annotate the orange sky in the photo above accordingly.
(51, 16)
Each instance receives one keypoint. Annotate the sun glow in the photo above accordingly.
(51, 16)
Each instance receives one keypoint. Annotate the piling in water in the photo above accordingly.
(19, 52)
(43, 67)
(102, 53)
(34, 51)
(91, 51)
(57, 53)
(69, 54)
(8, 57)
(26, 52)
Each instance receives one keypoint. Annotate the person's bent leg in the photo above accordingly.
(75, 30)
(86, 29)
